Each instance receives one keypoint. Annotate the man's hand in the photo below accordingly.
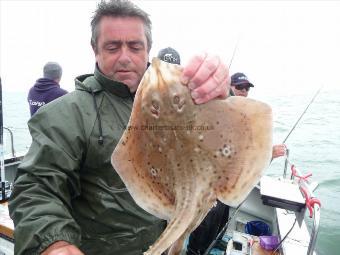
(207, 78)
(62, 248)
(278, 150)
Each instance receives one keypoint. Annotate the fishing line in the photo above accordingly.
(223, 230)
(280, 243)
(220, 234)
(303, 113)
(235, 48)
(231, 92)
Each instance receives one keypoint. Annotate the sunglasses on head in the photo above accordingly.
(243, 86)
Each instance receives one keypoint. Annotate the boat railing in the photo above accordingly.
(12, 141)
(312, 203)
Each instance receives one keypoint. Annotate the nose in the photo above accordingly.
(124, 57)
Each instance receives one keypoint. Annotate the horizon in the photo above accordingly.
(291, 46)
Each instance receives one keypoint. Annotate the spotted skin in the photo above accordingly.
(179, 157)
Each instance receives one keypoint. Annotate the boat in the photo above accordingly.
(11, 163)
(12, 159)
(279, 202)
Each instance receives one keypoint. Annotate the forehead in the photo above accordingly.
(121, 28)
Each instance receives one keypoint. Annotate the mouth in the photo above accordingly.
(123, 71)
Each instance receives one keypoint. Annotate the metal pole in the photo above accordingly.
(316, 216)
(2, 160)
(12, 141)
(286, 164)
(315, 230)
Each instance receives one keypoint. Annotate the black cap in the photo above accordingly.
(169, 55)
(239, 79)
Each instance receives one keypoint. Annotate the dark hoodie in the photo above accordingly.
(44, 91)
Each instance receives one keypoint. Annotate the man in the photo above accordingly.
(201, 238)
(67, 198)
(46, 89)
(169, 55)
(241, 85)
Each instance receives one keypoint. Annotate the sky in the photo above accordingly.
(280, 45)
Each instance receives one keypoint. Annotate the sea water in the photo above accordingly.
(314, 147)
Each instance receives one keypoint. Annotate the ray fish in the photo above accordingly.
(178, 158)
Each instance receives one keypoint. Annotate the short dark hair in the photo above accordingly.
(119, 8)
(52, 71)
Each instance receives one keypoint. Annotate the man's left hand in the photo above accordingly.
(207, 78)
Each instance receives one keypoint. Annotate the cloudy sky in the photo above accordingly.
(281, 45)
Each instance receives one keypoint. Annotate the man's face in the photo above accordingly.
(241, 90)
(122, 53)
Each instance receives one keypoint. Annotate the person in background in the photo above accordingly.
(241, 85)
(169, 55)
(46, 89)
(213, 223)
(67, 198)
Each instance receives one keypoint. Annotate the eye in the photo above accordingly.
(136, 49)
(111, 49)
(178, 102)
(136, 46)
(155, 108)
(176, 99)
(112, 46)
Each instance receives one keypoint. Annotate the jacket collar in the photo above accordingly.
(115, 87)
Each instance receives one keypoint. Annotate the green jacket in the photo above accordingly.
(66, 188)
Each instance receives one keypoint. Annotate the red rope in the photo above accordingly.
(310, 201)
(294, 173)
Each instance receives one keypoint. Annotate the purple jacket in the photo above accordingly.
(43, 92)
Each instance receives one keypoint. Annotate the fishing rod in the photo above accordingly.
(223, 230)
(232, 57)
(231, 92)
(303, 113)
(220, 234)
(298, 120)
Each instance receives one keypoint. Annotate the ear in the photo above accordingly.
(95, 51)
(94, 48)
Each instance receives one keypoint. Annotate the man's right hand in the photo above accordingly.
(62, 248)
(279, 150)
